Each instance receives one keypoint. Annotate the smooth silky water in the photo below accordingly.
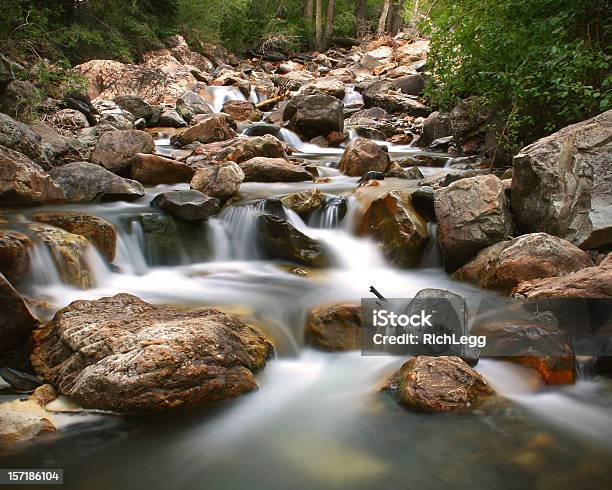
(318, 420)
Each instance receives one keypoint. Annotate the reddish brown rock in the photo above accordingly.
(155, 170)
(14, 258)
(209, 128)
(334, 328)
(115, 149)
(261, 169)
(362, 156)
(16, 319)
(242, 110)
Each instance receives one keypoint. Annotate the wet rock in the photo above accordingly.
(155, 170)
(14, 255)
(325, 86)
(590, 283)
(115, 149)
(562, 184)
(506, 264)
(220, 181)
(336, 138)
(16, 319)
(208, 129)
(170, 118)
(242, 149)
(423, 202)
(362, 156)
(435, 126)
(23, 182)
(334, 328)
(190, 105)
(242, 110)
(263, 129)
(18, 427)
(440, 384)
(44, 395)
(282, 240)
(304, 202)
(261, 169)
(20, 381)
(21, 138)
(472, 214)
(69, 253)
(123, 354)
(397, 227)
(188, 205)
(136, 106)
(87, 182)
(539, 346)
(98, 231)
(314, 115)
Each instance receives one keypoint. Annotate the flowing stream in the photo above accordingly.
(318, 419)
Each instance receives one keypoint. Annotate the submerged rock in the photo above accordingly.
(98, 231)
(334, 328)
(506, 264)
(261, 169)
(400, 231)
(115, 149)
(282, 240)
(14, 255)
(69, 252)
(544, 348)
(87, 182)
(123, 354)
(561, 184)
(472, 213)
(155, 170)
(23, 182)
(189, 205)
(440, 384)
(362, 156)
(220, 181)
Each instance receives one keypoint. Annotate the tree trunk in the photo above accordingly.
(396, 19)
(329, 28)
(319, 44)
(360, 13)
(308, 9)
(382, 22)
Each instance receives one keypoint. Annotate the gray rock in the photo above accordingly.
(135, 105)
(20, 137)
(87, 182)
(188, 205)
(262, 169)
(170, 118)
(18, 427)
(314, 115)
(190, 105)
(115, 149)
(221, 181)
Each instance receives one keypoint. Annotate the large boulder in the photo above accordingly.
(220, 181)
(69, 253)
(472, 214)
(282, 240)
(123, 354)
(542, 347)
(505, 264)
(23, 139)
(16, 319)
(361, 156)
(398, 228)
(241, 149)
(115, 149)
(562, 184)
(190, 105)
(440, 384)
(23, 182)
(188, 205)
(155, 170)
(261, 169)
(589, 283)
(314, 115)
(334, 328)
(87, 182)
(14, 254)
(98, 231)
(208, 129)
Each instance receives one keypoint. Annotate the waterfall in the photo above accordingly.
(352, 97)
(217, 96)
(43, 271)
(432, 257)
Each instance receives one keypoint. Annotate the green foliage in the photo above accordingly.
(542, 63)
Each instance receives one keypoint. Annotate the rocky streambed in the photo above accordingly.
(184, 249)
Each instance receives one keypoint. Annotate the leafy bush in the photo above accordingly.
(543, 63)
